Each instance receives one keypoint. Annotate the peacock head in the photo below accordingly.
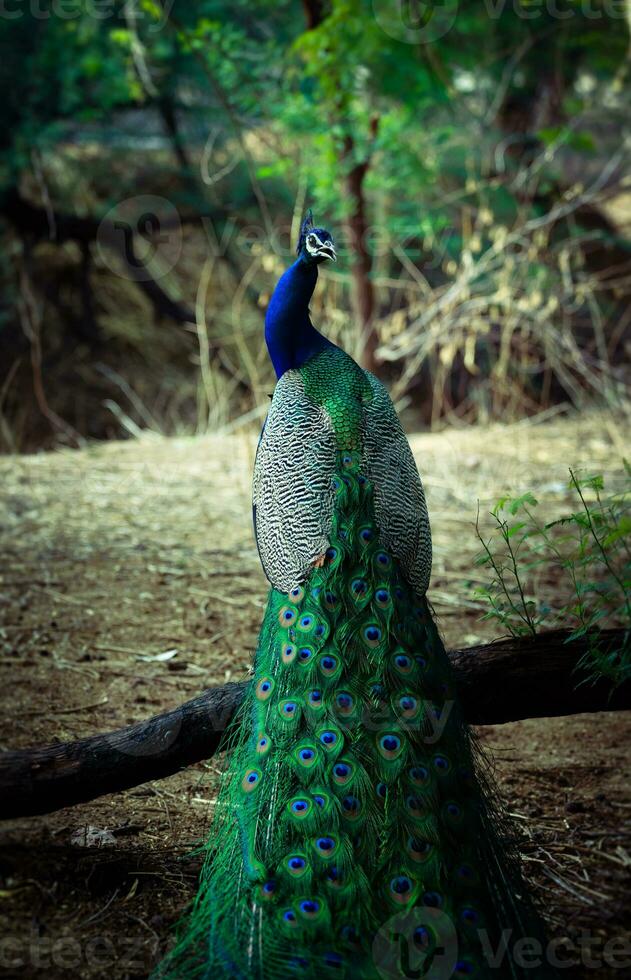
(315, 245)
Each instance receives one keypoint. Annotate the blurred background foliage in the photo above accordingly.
(156, 157)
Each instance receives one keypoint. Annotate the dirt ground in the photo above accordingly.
(130, 582)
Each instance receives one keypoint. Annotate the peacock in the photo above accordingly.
(356, 833)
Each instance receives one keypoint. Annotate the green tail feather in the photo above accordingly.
(351, 797)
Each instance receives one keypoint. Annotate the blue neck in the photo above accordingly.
(290, 335)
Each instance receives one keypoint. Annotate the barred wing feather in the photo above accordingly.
(400, 508)
(292, 489)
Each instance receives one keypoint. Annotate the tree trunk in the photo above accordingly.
(363, 294)
(498, 682)
(314, 13)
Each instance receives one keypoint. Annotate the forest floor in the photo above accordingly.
(130, 582)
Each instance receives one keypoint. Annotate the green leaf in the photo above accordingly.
(622, 529)
(514, 528)
(519, 502)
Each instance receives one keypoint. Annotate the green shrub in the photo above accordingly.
(572, 572)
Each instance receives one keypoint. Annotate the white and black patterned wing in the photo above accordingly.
(292, 493)
(400, 509)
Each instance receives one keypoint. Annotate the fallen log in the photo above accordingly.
(498, 682)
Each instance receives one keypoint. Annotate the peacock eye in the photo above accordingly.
(311, 240)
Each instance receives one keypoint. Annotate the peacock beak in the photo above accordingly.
(327, 251)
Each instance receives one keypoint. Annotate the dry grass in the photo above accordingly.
(130, 550)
